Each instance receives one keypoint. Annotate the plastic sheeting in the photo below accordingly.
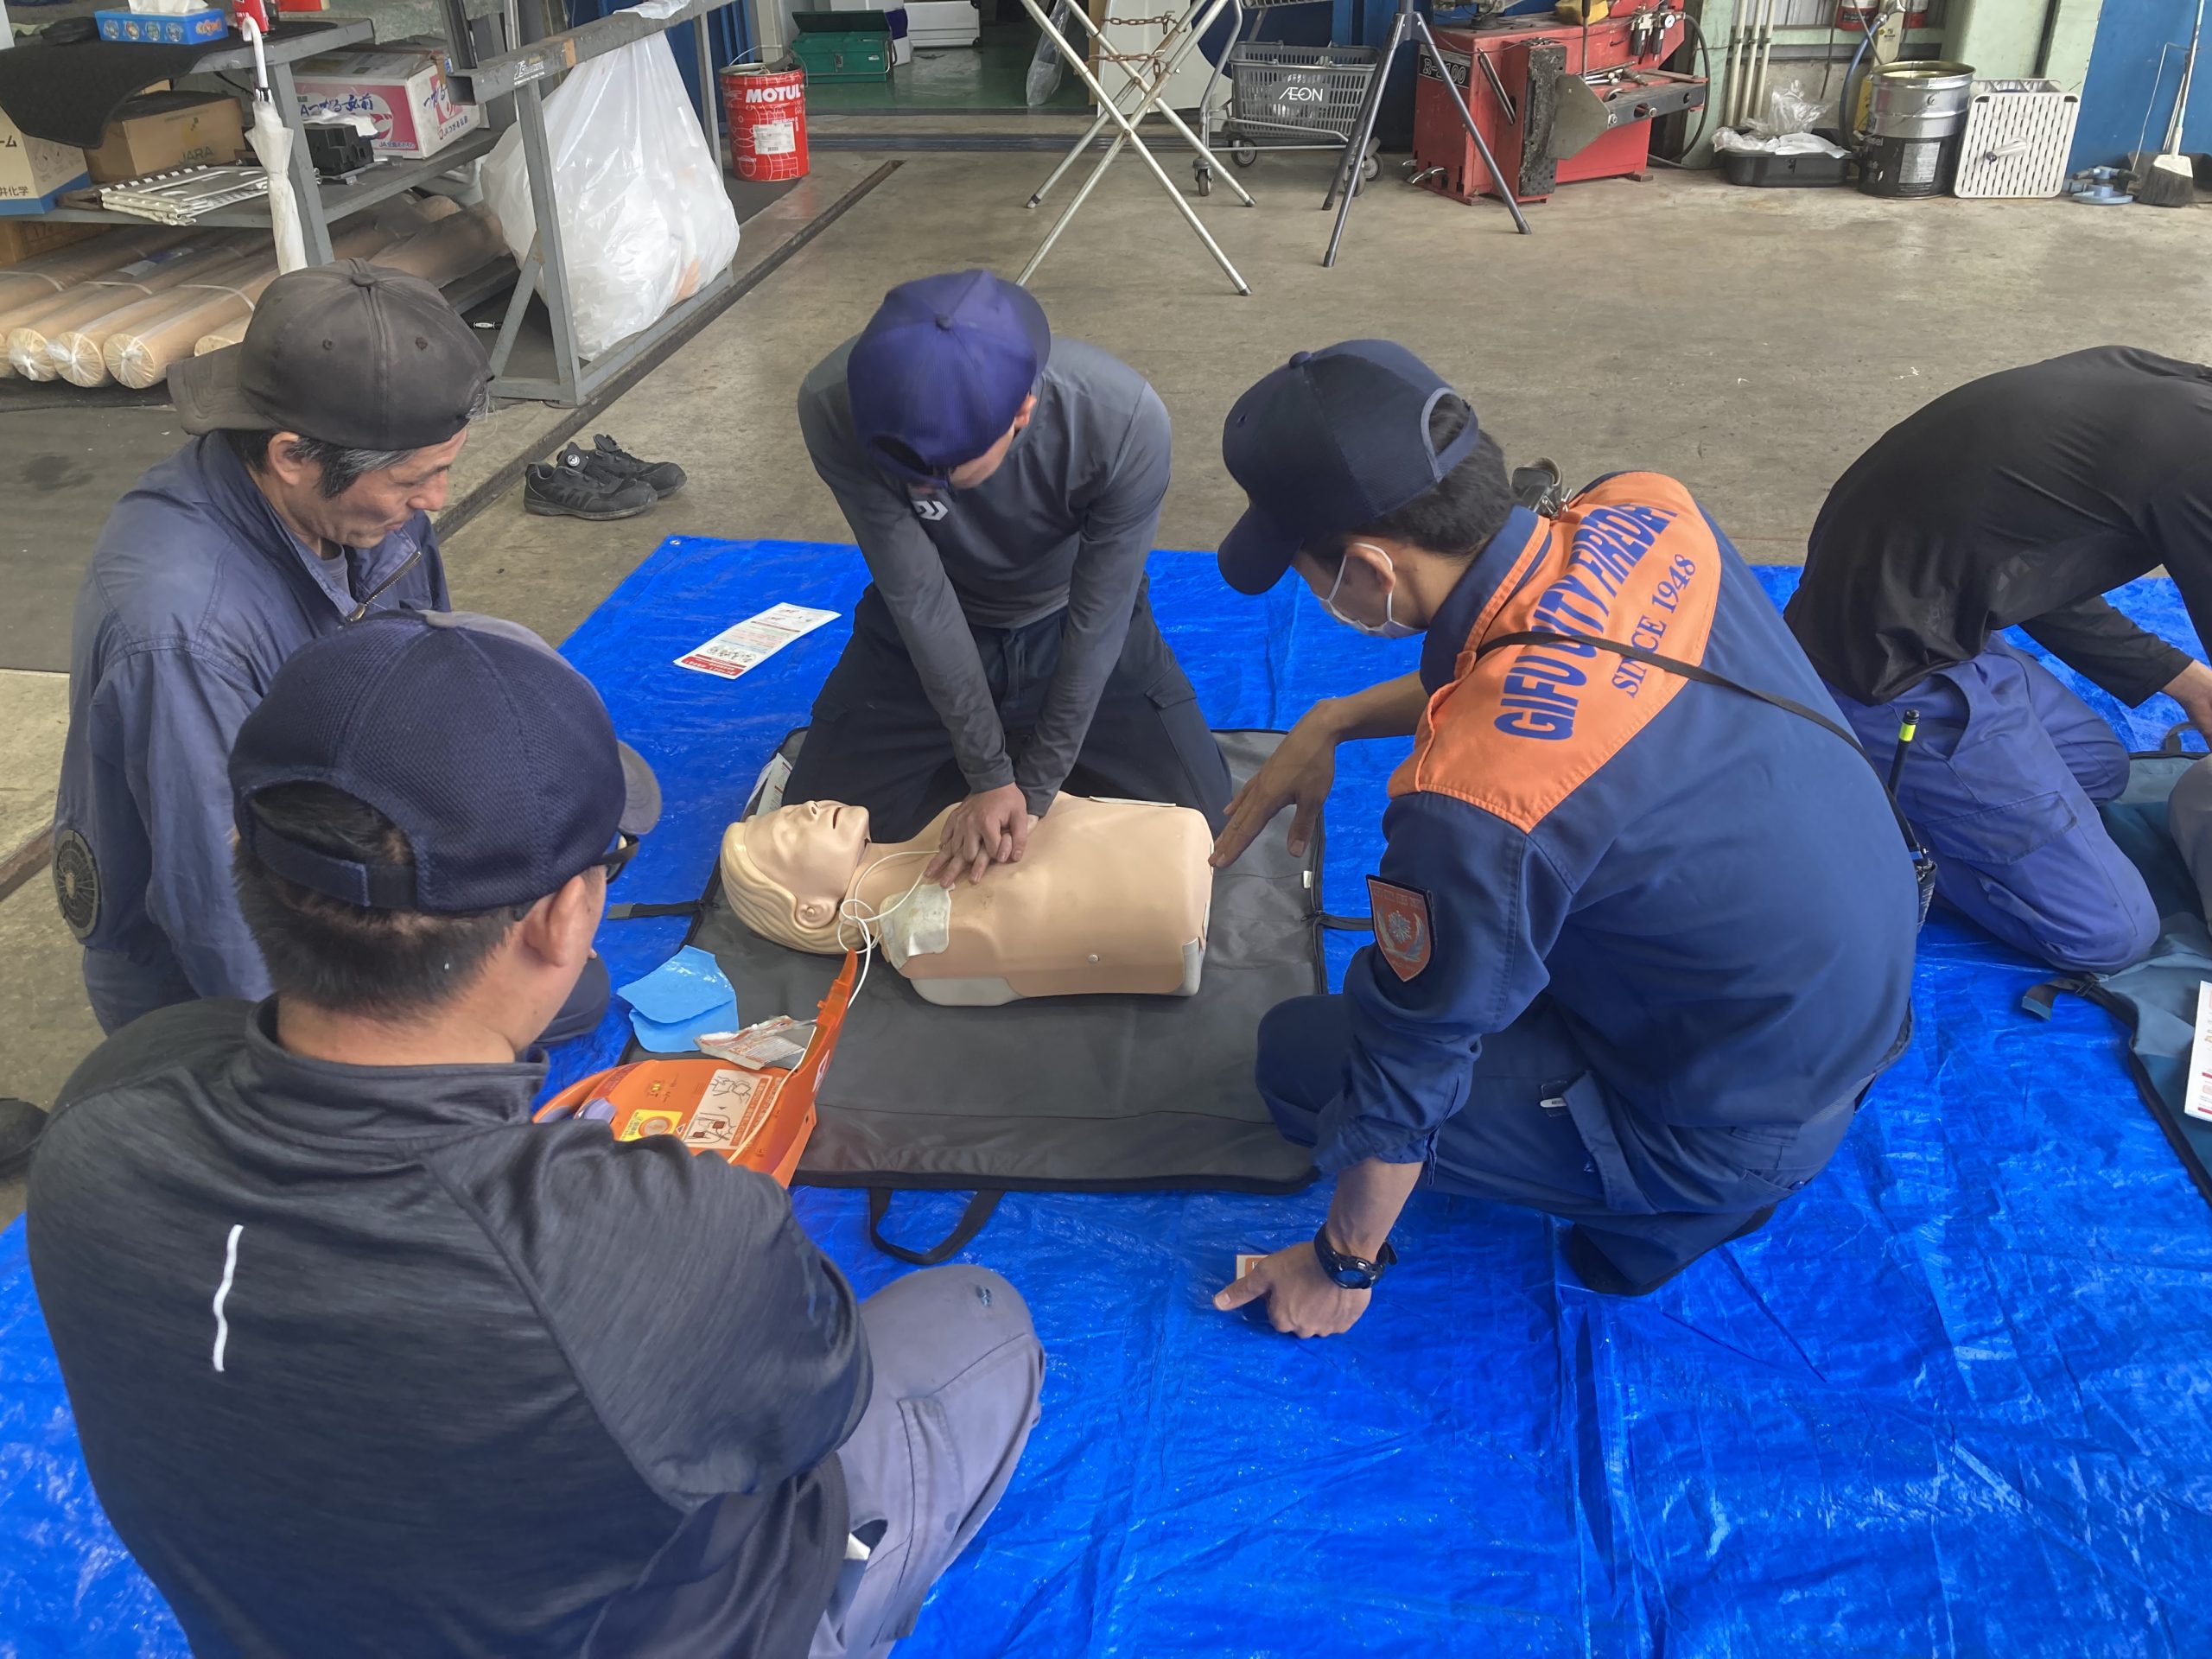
(1952, 1402)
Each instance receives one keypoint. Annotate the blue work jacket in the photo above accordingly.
(1711, 890)
(196, 594)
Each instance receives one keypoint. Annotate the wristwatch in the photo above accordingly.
(1350, 1272)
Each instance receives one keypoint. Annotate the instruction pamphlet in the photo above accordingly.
(2198, 1102)
(747, 645)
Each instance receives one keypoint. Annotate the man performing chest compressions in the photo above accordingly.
(1003, 486)
(1111, 897)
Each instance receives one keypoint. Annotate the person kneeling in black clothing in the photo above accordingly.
(366, 1362)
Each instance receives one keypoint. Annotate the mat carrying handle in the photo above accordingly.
(645, 912)
(972, 1221)
(2171, 743)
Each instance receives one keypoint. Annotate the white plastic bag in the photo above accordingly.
(644, 221)
(1787, 111)
(1046, 64)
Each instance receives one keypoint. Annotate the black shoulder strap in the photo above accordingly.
(970, 1224)
(1706, 675)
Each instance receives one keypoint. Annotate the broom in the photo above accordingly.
(2169, 179)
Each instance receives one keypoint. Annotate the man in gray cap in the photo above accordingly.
(323, 443)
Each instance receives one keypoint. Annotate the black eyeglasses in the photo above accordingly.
(626, 848)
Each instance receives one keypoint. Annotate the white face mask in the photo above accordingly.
(1390, 627)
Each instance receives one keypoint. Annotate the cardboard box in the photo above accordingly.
(155, 133)
(404, 92)
(163, 28)
(32, 171)
(25, 238)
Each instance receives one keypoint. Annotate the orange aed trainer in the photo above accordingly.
(756, 1120)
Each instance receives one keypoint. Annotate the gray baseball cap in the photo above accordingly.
(349, 354)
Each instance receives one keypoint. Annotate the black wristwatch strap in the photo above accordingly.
(1350, 1272)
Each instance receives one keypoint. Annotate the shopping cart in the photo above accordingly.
(1290, 97)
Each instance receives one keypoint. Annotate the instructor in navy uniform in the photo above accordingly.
(1641, 942)
(1003, 486)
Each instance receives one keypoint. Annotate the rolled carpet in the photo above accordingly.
(30, 331)
(441, 252)
(137, 345)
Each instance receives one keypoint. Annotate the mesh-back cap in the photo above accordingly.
(494, 757)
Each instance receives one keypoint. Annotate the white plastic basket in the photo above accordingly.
(2016, 136)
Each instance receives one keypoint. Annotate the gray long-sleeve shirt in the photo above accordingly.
(1065, 524)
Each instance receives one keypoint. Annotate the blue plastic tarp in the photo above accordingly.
(1952, 1402)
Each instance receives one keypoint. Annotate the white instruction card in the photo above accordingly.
(748, 643)
(2198, 1102)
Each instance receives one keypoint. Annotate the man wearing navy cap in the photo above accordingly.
(1642, 940)
(1003, 486)
(366, 1362)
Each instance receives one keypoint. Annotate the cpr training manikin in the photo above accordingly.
(1110, 897)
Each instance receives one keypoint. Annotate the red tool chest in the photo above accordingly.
(1508, 70)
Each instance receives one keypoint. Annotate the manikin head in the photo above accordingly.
(786, 872)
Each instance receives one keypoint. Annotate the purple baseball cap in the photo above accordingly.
(941, 370)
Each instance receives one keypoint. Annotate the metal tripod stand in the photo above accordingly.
(1407, 21)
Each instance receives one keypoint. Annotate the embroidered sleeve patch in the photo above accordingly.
(1402, 928)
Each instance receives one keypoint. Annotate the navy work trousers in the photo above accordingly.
(2002, 784)
(1538, 1129)
(875, 740)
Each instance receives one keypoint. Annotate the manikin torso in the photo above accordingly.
(1111, 896)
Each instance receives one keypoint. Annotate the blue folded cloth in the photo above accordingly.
(685, 996)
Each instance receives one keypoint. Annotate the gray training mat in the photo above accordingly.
(2156, 998)
(1079, 1093)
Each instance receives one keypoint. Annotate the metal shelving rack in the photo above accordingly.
(518, 75)
(321, 205)
(508, 81)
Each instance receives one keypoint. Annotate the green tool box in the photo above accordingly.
(842, 45)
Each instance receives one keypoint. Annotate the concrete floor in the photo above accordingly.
(1749, 342)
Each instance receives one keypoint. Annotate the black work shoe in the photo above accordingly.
(1596, 1270)
(609, 459)
(571, 489)
(20, 1123)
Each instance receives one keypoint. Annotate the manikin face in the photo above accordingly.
(812, 849)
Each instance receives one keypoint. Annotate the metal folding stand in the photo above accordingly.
(1408, 21)
(1148, 82)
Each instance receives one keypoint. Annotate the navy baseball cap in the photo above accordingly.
(1331, 441)
(495, 759)
(941, 370)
